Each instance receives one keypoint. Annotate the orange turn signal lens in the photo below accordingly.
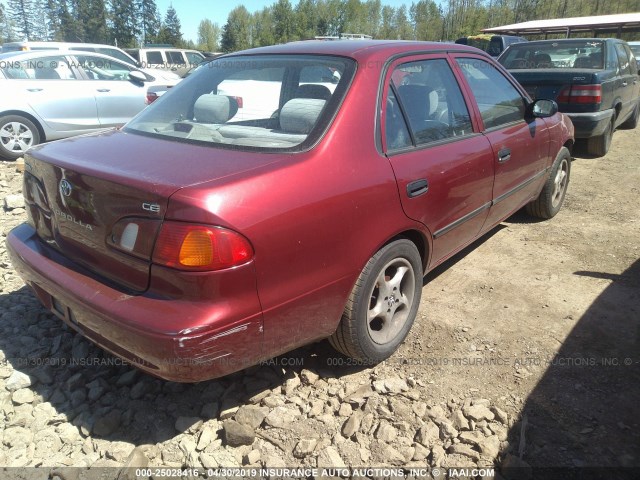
(200, 247)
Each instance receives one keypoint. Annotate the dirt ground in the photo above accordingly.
(546, 315)
(539, 318)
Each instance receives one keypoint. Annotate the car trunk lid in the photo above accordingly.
(100, 200)
(554, 83)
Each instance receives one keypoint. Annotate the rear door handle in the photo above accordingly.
(504, 155)
(624, 84)
(417, 187)
(103, 90)
(34, 89)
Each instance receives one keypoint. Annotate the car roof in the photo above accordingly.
(359, 49)
(54, 53)
(565, 40)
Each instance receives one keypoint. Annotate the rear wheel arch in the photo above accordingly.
(29, 117)
(419, 239)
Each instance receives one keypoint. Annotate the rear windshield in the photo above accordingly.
(275, 102)
(575, 54)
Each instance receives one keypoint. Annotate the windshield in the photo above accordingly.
(251, 102)
(574, 54)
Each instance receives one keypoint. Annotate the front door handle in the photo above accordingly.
(34, 89)
(624, 84)
(417, 187)
(504, 155)
(103, 90)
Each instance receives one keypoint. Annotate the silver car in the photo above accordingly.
(52, 95)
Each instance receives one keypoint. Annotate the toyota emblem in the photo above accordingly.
(65, 188)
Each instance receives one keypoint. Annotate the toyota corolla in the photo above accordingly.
(195, 242)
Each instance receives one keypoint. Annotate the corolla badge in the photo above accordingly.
(65, 187)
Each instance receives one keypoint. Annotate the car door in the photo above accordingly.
(50, 85)
(117, 97)
(626, 84)
(443, 166)
(520, 144)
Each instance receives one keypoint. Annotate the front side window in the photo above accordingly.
(623, 59)
(39, 68)
(99, 68)
(250, 102)
(498, 100)
(194, 58)
(431, 102)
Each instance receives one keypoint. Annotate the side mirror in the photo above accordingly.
(137, 76)
(543, 108)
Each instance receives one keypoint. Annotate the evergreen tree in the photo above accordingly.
(150, 20)
(125, 20)
(172, 28)
(236, 33)
(22, 15)
(41, 30)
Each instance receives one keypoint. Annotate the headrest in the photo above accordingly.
(211, 108)
(300, 115)
(418, 97)
(311, 90)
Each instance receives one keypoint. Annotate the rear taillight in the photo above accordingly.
(200, 247)
(151, 97)
(239, 101)
(583, 94)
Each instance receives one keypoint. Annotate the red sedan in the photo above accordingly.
(195, 242)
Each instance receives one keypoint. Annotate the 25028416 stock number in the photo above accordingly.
(169, 472)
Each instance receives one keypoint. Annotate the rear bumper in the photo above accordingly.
(590, 124)
(178, 340)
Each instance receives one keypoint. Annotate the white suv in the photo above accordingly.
(176, 60)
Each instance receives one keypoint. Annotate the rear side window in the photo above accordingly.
(498, 100)
(44, 68)
(175, 58)
(430, 101)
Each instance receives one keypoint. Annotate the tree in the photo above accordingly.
(172, 29)
(22, 15)
(236, 33)
(262, 28)
(41, 29)
(284, 21)
(150, 21)
(124, 23)
(90, 20)
(208, 36)
(306, 19)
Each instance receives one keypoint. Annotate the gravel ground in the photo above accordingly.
(444, 400)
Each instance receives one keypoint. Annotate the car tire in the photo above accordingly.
(551, 198)
(632, 121)
(17, 134)
(382, 305)
(599, 146)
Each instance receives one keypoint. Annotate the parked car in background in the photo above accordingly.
(173, 244)
(494, 45)
(635, 48)
(176, 60)
(47, 95)
(594, 81)
(109, 50)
